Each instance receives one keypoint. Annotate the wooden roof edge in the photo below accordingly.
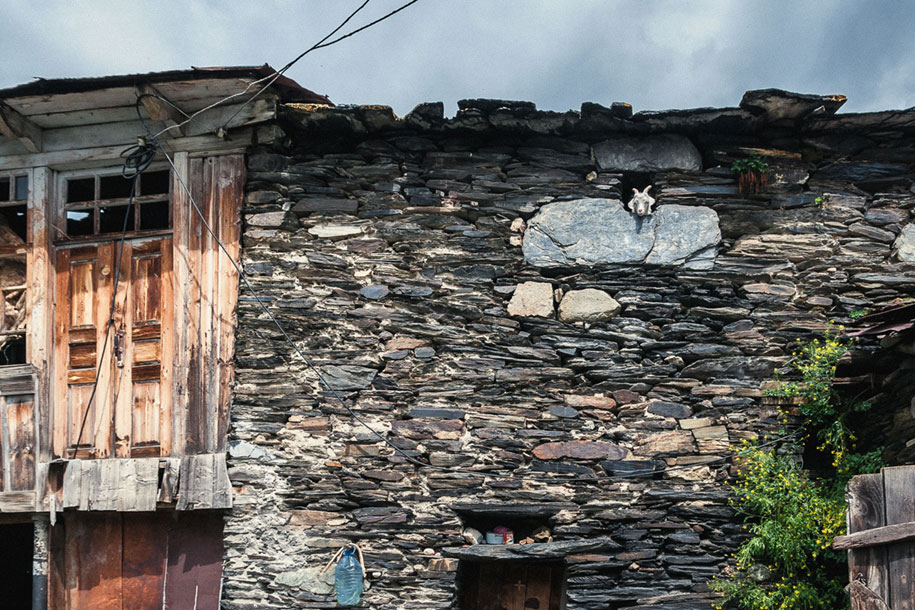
(288, 89)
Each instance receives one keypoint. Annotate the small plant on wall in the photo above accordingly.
(787, 562)
(752, 174)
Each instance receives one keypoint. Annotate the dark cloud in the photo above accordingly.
(659, 54)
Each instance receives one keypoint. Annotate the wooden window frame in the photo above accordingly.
(61, 206)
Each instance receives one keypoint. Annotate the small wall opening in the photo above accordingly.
(634, 180)
(511, 585)
(16, 565)
(13, 234)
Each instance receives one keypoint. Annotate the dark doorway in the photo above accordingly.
(511, 585)
(16, 565)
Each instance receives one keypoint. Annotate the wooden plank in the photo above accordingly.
(101, 431)
(195, 441)
(866, 510)
(862, 598)
(15, 125)
(539, 576)
(194, 573)
(209, 264)
(230, 201)
(4, 448)
(18, 502)
(40, 295)
(122, 364)
(222, 485)
(144, 561)
(878, 535)
(71, 484)
(181, 311)
(168, 488)
(20, 417)
(557, 588)
(93, 562)
(61, 417)
(57, 566)
(899, 491)
(196, 482)
(82, 158)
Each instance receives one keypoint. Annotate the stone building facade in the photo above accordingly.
(477, 292)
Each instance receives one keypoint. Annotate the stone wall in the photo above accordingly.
(478, 294)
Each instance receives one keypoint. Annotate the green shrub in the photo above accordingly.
(787, 562)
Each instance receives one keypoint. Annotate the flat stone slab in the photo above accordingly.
(594, 232)
(536, 550)
(648, 154)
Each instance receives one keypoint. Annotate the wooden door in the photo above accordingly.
(136, 561)
(511, 585)
(129, 414)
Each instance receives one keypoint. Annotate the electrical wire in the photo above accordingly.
(321, 44)
(356, 417)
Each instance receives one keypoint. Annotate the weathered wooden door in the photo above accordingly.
(136, 561)
(511, 585)
(130, 412)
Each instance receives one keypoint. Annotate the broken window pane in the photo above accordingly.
(155, 183)
(79, 222)
(80, 189)
(112, 219)
(22, 188)
(154, 216)
(13, 219)
(114, 187)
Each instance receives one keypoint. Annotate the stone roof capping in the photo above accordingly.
(758, 110)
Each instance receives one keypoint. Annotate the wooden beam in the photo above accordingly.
(160, 109)
(14, 125)
(899, 532)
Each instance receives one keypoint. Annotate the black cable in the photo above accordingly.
(273, 77)
(335, 394)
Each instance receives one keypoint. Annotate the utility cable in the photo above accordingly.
(356, 417)
(321, 44)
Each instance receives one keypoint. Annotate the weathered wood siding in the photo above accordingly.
(163, 387)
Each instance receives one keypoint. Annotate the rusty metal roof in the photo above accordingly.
(894, 318)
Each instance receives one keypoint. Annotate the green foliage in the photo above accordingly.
(754, 163)
(787, 562)
(858, 313)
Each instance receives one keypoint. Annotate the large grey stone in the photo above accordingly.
(905, 244)
(602, 231)
(648, 154)
(588, 305)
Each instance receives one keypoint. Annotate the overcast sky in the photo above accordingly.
(653, 54)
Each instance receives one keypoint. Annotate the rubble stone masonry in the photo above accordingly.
(477, 291)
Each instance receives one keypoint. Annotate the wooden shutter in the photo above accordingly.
(130, 413)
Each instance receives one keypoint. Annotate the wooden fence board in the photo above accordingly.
(866, 511)
(899, 490)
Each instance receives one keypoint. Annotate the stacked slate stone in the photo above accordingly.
(476, 292)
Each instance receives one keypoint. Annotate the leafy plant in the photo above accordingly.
(858, 313)
(752, 173)
(753, 163)
(787, 562)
